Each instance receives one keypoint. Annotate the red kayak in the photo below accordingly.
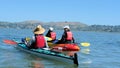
(64, 47)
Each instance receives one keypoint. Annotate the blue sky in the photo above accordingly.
(103, 12)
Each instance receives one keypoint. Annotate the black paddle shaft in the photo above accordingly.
(76, 59)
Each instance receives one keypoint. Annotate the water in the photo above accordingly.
(104, 51)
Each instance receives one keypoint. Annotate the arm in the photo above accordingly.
(46, 43)
(48, 34)
(63, 37)
(73, 40)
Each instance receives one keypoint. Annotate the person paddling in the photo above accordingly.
(51, 34)
(38, 39)
(67, 36)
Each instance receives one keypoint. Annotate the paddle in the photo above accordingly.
(48, 38)
(10, 42)
(85, 44)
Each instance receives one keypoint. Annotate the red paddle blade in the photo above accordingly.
(10, 42)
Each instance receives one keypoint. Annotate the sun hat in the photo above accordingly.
(66, 27)
(51, 28)
(39, 30)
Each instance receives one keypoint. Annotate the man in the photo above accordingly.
(67, 36)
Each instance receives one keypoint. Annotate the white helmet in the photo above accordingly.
(66, 27)
(51, 28)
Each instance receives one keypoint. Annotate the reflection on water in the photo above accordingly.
(85, 51)
(69, 53)
(37, 64)
(49, 64)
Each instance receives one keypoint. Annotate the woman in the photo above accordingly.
(38, 39)
(51, 34)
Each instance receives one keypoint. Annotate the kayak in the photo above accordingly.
(49, 54)
(64, 47)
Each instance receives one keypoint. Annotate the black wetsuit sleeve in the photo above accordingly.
(63, 37)
(48, 34)
(73, 40)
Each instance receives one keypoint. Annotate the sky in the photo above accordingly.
(101, 12)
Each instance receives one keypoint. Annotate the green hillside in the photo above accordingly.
(31, 24)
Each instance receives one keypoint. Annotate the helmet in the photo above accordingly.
(66, 27)
(51, 28)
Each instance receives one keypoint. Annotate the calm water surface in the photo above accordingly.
(104, 51)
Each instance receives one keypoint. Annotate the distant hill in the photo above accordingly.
(31, 24)
(60, 25)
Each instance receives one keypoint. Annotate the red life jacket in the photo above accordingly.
(40, 41)
(53, 35)
(69, 36)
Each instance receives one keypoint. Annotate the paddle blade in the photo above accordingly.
(85, 44)
(11, 42)
(48, 38)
